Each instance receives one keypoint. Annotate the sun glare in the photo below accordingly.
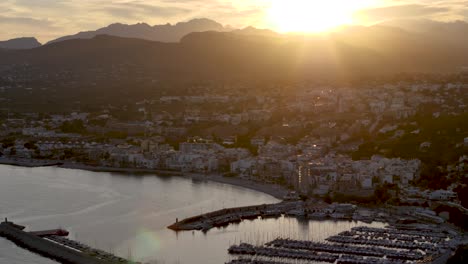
(312, 15)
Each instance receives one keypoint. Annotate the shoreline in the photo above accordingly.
(273, 190)
(27, 163)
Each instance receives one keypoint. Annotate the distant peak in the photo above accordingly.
(116, 25)
(200, 21)
(20, 43)
(120, 25)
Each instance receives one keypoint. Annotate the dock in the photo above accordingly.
(53, 244)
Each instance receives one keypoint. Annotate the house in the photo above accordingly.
(366, 182)
(229, 140)
(442, 195)
(189, 147)
(425, 146)
(257, 141)
(243, 166)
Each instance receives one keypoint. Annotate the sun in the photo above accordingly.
(312, 15)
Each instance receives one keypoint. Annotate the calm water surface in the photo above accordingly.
(127, 214)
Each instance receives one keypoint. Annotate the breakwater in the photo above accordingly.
(227, 216)
(49, 249)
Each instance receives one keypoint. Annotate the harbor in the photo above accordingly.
(99, 209)
(291, 207)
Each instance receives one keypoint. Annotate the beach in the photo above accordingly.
(274, 190)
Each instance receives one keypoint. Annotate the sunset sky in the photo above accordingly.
(49, 19)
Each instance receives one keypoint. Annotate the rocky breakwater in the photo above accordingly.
(45, 247)
(227, 216)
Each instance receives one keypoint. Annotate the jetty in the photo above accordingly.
(228, 216)
(53, 244)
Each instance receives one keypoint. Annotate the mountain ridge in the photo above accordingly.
(371, 50)
(162, 33)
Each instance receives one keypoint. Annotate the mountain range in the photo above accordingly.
(107, 69)
(357, 50)
(350, 51)
(162, 33)
(451, 31)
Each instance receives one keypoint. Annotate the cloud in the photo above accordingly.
(26, 21)
(401, 12)
(140, 11)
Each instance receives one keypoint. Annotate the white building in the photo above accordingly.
(442, 195)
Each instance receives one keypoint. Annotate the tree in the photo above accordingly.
(375, 180)
(327, 198)
(8, 142)
(433, 178)
(462, 191)
(381, 193)
(74, 126)
(30, 145)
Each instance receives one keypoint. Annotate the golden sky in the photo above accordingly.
(49, 19)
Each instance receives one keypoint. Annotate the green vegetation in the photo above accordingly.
(116, 134)
(8, 142)
(365, 151)
(432, 177)
(30, 145)
(346, 198)
(444, 134)
(462, 191)
(75, 126)
(461, 255)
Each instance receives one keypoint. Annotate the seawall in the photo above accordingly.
(45, 247)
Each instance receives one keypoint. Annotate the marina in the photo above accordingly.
(372, 246)
(315, 210)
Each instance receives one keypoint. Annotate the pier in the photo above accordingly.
(52, 244)
(228, 216)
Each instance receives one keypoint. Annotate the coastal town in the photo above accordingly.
(314, 139)
(384, 152)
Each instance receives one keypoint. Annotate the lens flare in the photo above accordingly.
(312, 15)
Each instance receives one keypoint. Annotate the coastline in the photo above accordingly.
(274, 190)
(29, 163)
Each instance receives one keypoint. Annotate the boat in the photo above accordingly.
(291, 196)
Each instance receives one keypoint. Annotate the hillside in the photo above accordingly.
(362, 51)
(111, 69)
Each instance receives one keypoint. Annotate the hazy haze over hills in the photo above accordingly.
(348, 52)
(250, 52)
